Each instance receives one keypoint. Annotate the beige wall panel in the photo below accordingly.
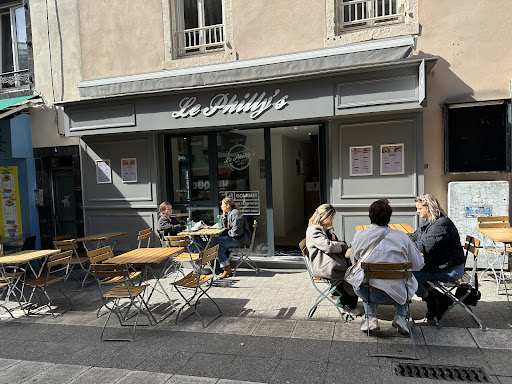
(474, 65)
(268, 27)
(121, 37)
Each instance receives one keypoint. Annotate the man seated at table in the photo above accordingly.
(168, 225)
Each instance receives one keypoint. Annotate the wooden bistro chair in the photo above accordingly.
(76, 261)
(144, 235)
(465, 284)
(390, 271)
(198, 285)
(321, 285)
(121, 298)
(243, 253)
(495, 255)
(56, 271)
(178, 261)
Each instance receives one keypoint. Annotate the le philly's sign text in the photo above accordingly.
(253, 103)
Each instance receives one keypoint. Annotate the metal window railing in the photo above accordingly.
(367, 13)
(15, 79)
(201, 39)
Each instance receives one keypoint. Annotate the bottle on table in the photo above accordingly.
(219, 224)
(189, 225)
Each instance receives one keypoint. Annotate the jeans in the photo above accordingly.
(377, 298)
(448, 274)
(225, 242)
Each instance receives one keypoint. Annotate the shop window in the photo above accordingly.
(200, 26)
(13, 49)
(477, 137)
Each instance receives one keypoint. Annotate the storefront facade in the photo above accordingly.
(280, 141)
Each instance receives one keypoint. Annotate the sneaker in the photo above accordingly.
(400, 324)
(372, 324)
(345, 309)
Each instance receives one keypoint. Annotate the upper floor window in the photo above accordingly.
(200, 26)
(13, 49)
(354, 14)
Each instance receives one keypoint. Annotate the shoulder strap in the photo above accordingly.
(374, 245)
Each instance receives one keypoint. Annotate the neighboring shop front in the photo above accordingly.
(279, 145)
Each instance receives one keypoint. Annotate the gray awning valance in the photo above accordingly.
(253, 71)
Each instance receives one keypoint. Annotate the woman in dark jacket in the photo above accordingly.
(238, 233)
(168, 225)
(439, 242)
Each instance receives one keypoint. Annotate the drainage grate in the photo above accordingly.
(443, 372)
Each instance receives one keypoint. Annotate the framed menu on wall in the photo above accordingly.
(103, 172)
(129, 170)
(361, 161)
(392, 159)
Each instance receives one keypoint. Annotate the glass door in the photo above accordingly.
(241, 175)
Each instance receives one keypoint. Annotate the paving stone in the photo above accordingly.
(448, 336)
(100, 375)
(6, 363)
(493, 338)
(275, 328)
(206, 365)
(182, 379)
(238, 326)
(59, 373)
(165, 362)
(306, 349)
(295, 371)
(317, 330)
(137, 377)
(23, 371)
(250, 368)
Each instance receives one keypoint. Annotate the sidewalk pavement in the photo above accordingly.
(264, 336)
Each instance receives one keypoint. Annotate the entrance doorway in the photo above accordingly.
(64, 205)
(296, 176)
(273, 174)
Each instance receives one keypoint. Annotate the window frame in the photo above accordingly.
(507, 105)
(18, 75)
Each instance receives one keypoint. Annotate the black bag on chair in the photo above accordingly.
(473, 296)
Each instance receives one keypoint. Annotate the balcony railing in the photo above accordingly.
(202, 39)
(367, 13)
(14, 79)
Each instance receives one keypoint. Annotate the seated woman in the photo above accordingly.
(238, 234)
(167, 225)
(439, 242)
(327, 254)
(394, 247)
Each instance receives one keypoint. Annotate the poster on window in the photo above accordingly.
(103, 172)
(361, 161)
(129, 170)
(10, 209)
(392, 159)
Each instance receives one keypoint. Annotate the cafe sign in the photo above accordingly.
(239, 157)
(255, 104)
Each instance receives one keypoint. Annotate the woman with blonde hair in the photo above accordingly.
(327, 254)
(438, 240)
(238, 233)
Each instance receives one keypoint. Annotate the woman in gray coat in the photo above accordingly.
(327, 254)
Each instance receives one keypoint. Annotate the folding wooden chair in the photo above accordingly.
(145, 234)
(390, 271)
(466, 283)
(177, 262)
(4, 287)
(198, 286)
(495, 256)
(76, 260)
(56, 270)
(321, 285)
(121, 298)
(243, 253)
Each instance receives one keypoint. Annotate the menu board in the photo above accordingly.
(10, 209)
(103, 172)
(129, 170)
(361, 161)
(392, 159)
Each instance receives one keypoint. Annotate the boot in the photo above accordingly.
(227, 272)
(444, 303)
(432, 305)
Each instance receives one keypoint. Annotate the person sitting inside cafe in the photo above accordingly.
(238, 234)
(168, 225)
(439, 242)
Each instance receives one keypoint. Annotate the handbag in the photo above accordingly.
(467, 294)
(355, 274)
